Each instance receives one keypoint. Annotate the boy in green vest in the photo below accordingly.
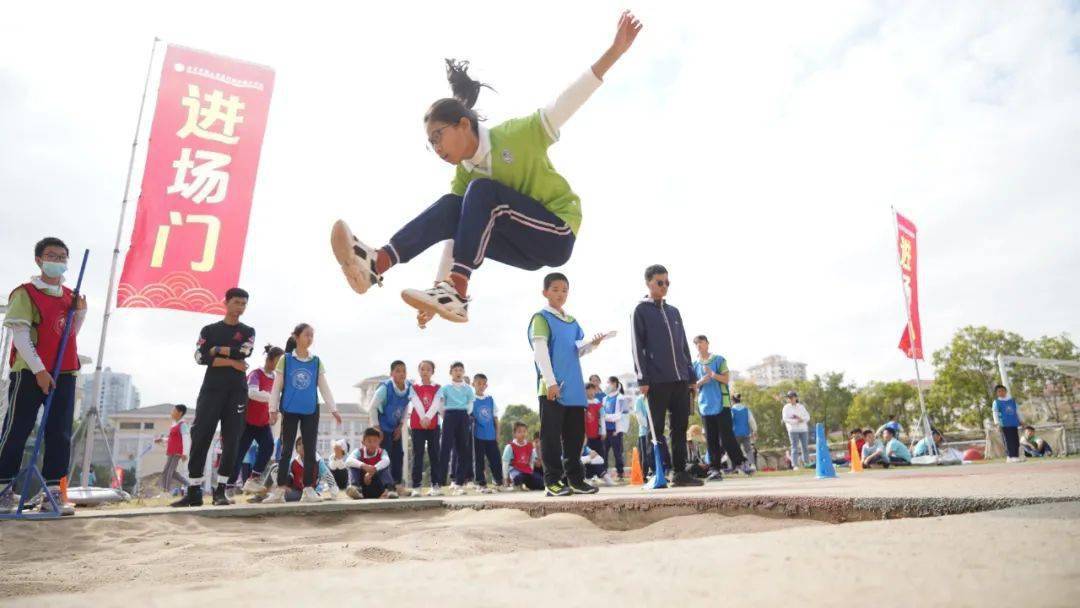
(506, 203)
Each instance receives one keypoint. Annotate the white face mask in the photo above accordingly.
(611, 388)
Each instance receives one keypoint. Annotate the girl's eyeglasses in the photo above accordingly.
(436, 137)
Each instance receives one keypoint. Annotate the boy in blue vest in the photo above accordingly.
(558, 344)
(485, 429)
(37, 312)
(1007, 418)
(745, 428)
(390, 401)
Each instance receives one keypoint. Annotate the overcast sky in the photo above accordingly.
(754, 150)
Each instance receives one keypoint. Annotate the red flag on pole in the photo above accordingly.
(911, 340)
(192, 218)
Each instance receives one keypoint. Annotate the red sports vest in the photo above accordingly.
(258, 412)
(373, 459)
(426, 393)
(522, 457)
(53, 313)
(297, 470)
(175, 445)
(592, 420)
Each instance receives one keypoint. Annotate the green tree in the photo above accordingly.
(966, 372)
(517, 413)
(1056, 389)
(875, 402)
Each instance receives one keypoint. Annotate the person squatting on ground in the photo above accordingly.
(519, 460)
(369, 469)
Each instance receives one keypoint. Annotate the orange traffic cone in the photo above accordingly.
(63, 489)
(637, 477)
(856, 458)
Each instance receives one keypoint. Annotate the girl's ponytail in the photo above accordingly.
(464, 88)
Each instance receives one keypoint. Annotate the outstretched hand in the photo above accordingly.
(626, 32)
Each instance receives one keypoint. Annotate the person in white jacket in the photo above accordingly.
(796, 419)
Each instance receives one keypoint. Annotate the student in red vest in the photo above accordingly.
(37, 312)
(369, 469)
(519, 458)
(177, 446)
(424, 431)
(257, 427)
(595, 429)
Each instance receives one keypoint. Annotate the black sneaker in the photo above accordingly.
(583, 487)
(714, 475)
(220, 498)
(191, 498)
(686, 479)
(559, 489)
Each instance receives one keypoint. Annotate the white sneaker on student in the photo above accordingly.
(276, 496)
(46, 506)
(357, 259)
(606, 479)
(453, 486)
(442, 300)
(414, 493)
(435, 491)
(253, 485)
(309, 495)
(391, 494)
(471, 485)
(459, 492)
(353, 492)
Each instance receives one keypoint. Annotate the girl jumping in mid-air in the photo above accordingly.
(506, 203)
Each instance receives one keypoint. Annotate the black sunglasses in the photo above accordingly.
(664, 283)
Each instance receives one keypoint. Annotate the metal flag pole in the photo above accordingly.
(924, 421)
(92, 416)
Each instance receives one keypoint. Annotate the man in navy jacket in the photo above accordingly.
(664, 367)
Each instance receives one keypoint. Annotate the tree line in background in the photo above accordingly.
(965, 374)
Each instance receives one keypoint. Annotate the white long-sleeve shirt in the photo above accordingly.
(254, 392)
(799, 413)
(324, 388)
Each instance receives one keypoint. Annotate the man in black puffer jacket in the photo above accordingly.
(664, 368)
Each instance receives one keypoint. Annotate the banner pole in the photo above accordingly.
(95, 402)
(924, 421)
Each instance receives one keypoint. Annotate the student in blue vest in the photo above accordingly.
(390, 401)
(616, 422)
(298, 376)
(1007, 418)
(506, 202)
(455, 402)
(558, 344)
(714, 405)
(37, 311)
(745, 429)
(485, 436)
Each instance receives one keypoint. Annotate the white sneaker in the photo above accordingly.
(9, 501)
(357, 259)
(309, 495)
(442, 300)
(414, 493)
(485, 490)
(276, 496)
(459, 492)
(435, 491)
(454, 486)
(46, 506)
(391, 494)
(253, 485)
(471, 485)
(353, 492)
(606, 480)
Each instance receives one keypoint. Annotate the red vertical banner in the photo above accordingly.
(192, 218)
(911, 340)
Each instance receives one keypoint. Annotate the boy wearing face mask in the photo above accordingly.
(37, 311)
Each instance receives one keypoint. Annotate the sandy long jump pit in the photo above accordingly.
(993, 540)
